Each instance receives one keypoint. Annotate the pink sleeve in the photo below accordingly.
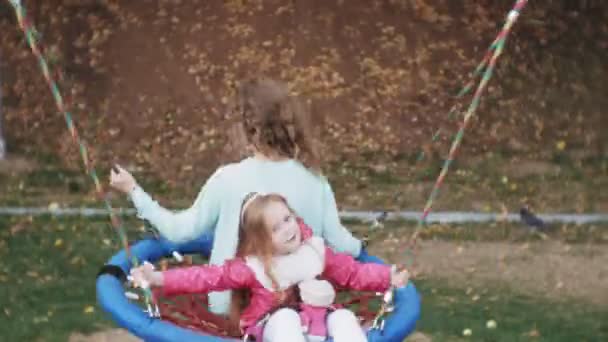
(232, 274)
(344, 271)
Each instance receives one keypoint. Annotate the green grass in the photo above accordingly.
(448, 311)
(47, 281)
(48, 277)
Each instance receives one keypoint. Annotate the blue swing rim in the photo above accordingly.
(111, 297)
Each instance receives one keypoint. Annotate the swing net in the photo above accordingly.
(191, 311)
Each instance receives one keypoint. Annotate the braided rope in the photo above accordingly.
(488, 63)
(30, 34)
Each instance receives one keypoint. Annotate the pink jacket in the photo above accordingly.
(342, 270)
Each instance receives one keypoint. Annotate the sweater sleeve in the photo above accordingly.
(338, 237)
(233, 274)
(344, 271)
(184, 225)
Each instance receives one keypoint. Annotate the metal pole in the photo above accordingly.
(2, 141)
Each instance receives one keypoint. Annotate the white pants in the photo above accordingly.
(285, 325)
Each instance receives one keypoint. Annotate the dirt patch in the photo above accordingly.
(16, 165)
(418, 337)
(527, 168)
(551, 269)
(113, 335)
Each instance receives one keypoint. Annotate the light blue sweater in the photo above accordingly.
(217, 209)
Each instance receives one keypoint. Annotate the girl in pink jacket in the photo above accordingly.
(277, 252)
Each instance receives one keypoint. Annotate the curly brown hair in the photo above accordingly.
(273, 122)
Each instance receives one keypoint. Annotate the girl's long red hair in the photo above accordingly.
(254, 240)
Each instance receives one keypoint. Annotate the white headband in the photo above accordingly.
(248, 202)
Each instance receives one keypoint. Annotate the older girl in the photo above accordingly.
(283, 159)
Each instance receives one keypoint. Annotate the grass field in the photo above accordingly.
(48, 272)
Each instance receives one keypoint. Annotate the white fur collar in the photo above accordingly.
(305, 263)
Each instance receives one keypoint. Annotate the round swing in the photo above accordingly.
(187, 317)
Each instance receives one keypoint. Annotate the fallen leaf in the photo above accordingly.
(533, 333)
(53, 206)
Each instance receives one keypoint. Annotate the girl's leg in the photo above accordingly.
(343, 326)
(284, 325)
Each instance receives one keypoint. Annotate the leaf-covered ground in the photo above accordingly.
(149, 83)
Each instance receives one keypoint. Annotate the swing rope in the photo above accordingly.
(30, 33)
(487, 65)
(464, 91)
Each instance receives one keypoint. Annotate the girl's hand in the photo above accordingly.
(122, 180)
(144, 276)
(400, 279)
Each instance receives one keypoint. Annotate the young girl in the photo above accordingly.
(275, 129)
(276, 252)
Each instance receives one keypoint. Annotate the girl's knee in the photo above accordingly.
(343, 316)
(344, 326)
(286, 316)
(284, 325)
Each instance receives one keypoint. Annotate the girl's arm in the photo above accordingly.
(184, 225)
(340, 238)
(344, 271)
(233, 274)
